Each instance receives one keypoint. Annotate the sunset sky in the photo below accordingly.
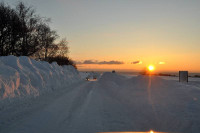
(127, 34)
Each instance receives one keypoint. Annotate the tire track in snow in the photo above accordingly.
(85, 116)
(78, 102)
(48, 118)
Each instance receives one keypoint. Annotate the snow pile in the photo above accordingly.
(149, 102)
(112, 79)
(25, 77)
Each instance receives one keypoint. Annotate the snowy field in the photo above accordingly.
(111, 103)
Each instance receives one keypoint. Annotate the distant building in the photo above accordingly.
(183, 76)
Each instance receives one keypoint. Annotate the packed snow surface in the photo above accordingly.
(112, 103)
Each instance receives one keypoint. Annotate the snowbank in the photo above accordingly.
(112, 78)
(24, 77)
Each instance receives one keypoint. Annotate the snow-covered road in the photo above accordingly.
(113, 103)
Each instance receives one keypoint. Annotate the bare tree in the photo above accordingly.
(46, 39)
(22, 32)
(29, 21)
(63, 48)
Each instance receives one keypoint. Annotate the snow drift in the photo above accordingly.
(149, 102)
(22, 77)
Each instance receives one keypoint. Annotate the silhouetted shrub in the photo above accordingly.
(197, 76)
(61, 60)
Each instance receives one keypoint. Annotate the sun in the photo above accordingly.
(151, 68)
(151, 131)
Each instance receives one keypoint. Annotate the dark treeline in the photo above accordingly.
(24, 33)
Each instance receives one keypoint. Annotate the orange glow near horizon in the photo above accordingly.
(170, 63)
(169, 67)
(151, 131)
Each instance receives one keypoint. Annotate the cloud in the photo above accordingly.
(78, 62)
(112, 62)
(89, 62)
(161, 63)
(136, 62)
